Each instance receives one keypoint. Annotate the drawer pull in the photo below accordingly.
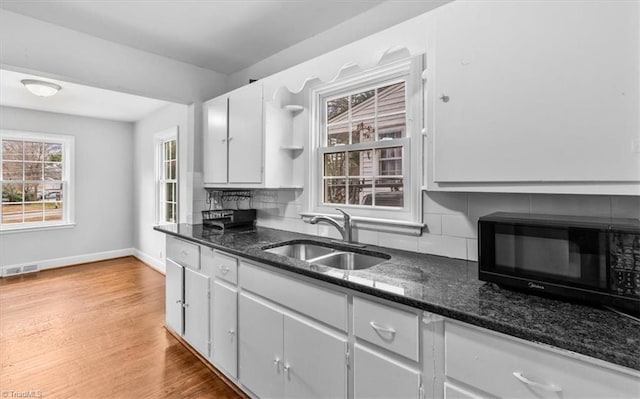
(546, 387)
(224, 269)
(382, 329)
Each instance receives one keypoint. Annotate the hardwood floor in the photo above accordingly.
(95, 331)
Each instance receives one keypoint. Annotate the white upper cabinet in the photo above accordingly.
(233, 138)
(215, 141)
(534, 97)
(245, 135)
(248, 139)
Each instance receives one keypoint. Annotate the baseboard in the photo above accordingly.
(74, 260)
(152, 262)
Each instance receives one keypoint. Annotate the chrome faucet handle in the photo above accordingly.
(347, 216)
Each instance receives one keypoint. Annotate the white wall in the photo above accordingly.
(31, 45)
(103, 186)
(149, 244)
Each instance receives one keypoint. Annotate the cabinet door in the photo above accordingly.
(376, 376)
(260, 341)
(225, 341)
(452, 391)
(173, 298)
(315, 361)
(215, 141)
(245, 135)
(196, 310)
(515, 104)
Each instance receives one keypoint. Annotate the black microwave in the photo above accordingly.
(587, 259)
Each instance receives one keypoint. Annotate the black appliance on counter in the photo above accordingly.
(225, 218)
(595, 260)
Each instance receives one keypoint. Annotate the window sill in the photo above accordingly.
(376, 224)
(38, 227)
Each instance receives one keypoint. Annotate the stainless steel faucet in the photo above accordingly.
(345, 230)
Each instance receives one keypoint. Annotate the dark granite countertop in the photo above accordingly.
(448, 287)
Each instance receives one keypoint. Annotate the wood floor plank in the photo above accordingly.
(96, 331)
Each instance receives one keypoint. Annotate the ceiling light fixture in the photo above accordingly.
(41, 88)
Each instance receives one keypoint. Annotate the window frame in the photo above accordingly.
(67, 179)
(408, 70)
(160, 139)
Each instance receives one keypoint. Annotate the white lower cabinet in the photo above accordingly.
(452, 391)
(196, 311)
(187, 305)
(500, 366)
(174, 282)
(282, 356)
(378, 376)
(224, 330)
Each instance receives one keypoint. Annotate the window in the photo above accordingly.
(36, 180)
(365, 125)
(167, 176)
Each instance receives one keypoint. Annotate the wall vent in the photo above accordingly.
(14, 271)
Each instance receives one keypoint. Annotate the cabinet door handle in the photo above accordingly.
(231, 332)
(546, 387)
(185, 305)
(230, 138)
(276, 361)
(223, 140)
(444, 98)
(286, 368)
(382, 329)
(179, 301)
(224, 269)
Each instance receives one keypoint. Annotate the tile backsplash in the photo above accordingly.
(451, 218)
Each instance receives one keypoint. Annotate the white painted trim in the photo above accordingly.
(76, 259)
(159, 138)
(68, 170)
(152, 262)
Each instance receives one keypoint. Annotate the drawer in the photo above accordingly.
(506, 367)
(325, 305)
(388, 327)
(225, 267)
(183, 252)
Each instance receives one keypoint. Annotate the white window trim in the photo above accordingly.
(158, 140)
(68, 178)
(408, 220)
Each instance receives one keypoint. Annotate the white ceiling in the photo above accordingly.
(222, 35)
(75, 99)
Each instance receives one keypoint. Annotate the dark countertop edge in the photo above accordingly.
(518, 332)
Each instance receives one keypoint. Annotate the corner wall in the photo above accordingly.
(103, 185)
(149, 244)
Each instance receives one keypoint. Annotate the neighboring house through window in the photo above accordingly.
(365, 125)
(37, 180)
(167, 176)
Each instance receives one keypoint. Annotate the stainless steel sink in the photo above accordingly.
(301, 251)
(338, 256)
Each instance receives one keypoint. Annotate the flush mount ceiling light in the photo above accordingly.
(41, 88)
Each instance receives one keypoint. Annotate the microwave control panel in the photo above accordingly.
(625, 264)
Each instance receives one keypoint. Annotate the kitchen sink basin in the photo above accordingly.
(303, 251)
(338, 256)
